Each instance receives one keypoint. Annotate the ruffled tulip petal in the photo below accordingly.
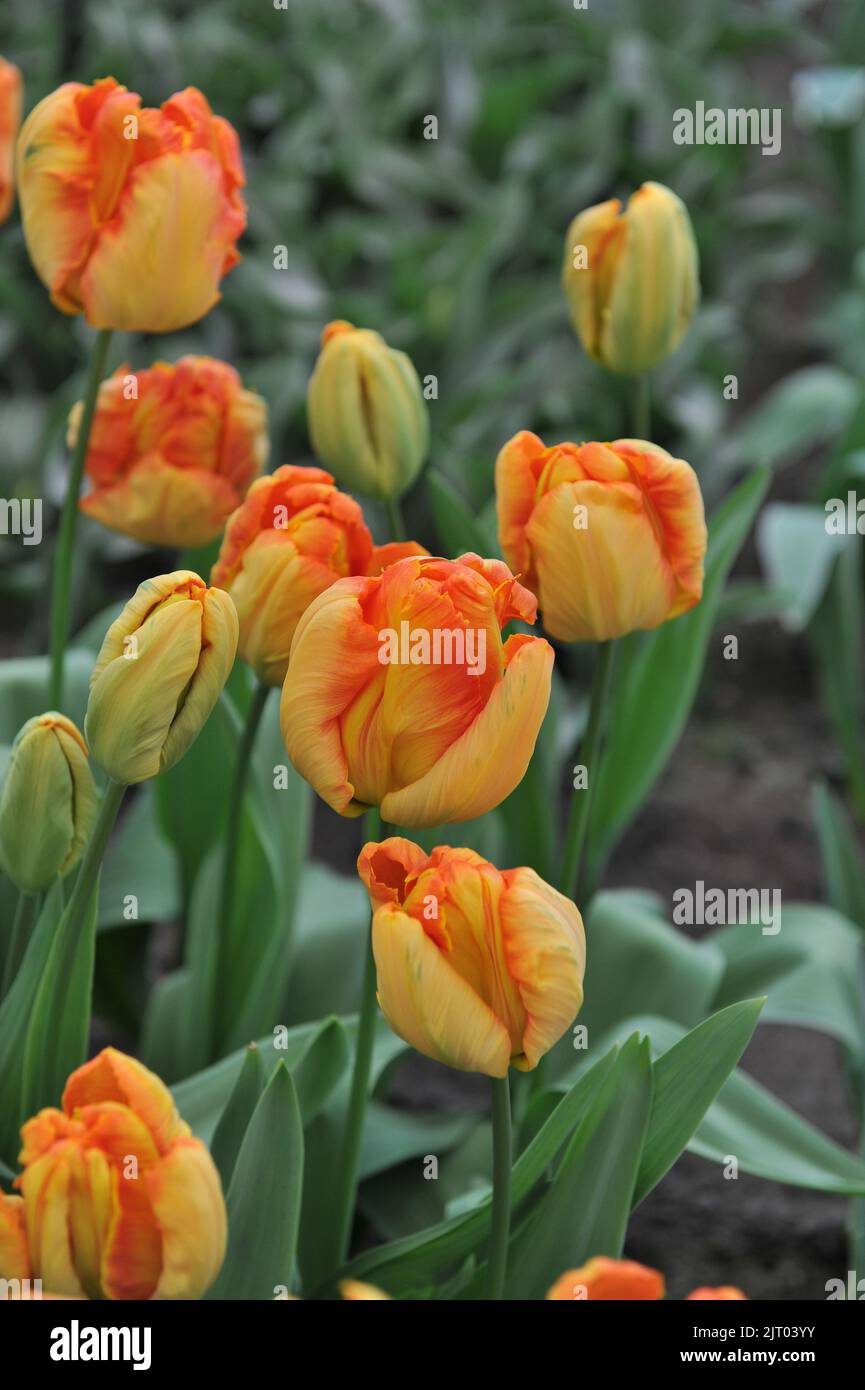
(603, 1278)
(428, 1004)
(186, 1197)
(490, 758)
(333, 656)
(10, 119)
(113, 1076)
(45, 1187)
(545, 947)
(384, 868)
(14, 1253)
(158, 504)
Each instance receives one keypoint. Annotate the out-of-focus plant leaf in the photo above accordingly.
(797, 553)
(141, 864)
(263, 1199)
(837, 633)
(843, 870)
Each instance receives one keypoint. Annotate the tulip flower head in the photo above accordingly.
(10, 119)
(611, 538)
(171, 459)
(723, 1294)
(368, 420)
(479, 968)
(602, 1278)
(354, 1291)
(48, 803)
(631, 278)
(131, 214)
(117, 1199)
(293, 537)
(159, 673)
(401, 694)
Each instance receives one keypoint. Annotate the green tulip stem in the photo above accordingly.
(572, 881)
(25, 915)
(395, 521)
(356, 1113)
(230, 851)
(63, 553)
(497, 1260)
(642, 407)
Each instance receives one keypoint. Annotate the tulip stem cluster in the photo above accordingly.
(25, 915)
(230, 851)
(497, 1260)
(572, 880)
(356, 1112)
(61, 580)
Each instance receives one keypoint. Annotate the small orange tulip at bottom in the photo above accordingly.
(603, 1278)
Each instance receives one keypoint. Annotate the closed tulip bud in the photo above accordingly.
(131, 214)
(10, 119)
(611, 538)
(293, 537)
(117, 1199)
(169, 461)
(48, 804)
(725, 1293)
(602, 1278)
(367, 417)
(401, 694)
(631, 278)
(477, 967)
(159, 673)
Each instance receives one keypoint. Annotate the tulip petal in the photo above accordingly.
(171, 215)
(186, 1196)
(158, 504)
(545, 948)
(602, 1278)
(113, 1076)
(484, 765)
(14, 1254)
(383, 868)
(428, 1004)
(45, 1186)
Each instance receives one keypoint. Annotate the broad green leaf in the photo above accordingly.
(392, 1136)
(141, 863)
(837, 633)
(585, 1212)
(687, 1078)
(843, 870)
(656, 681)
(408, 1264)
(459, 527)
(263, 1199)
(160, 1045)
(806, 408)
(766, 1137)
(235, 1118)
(797, 554)
(24, 690)
(332, 921)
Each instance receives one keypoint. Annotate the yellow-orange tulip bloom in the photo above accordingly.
(10, 119)
(632, 278)
(609, 537)
(477, 967)
(48, 804)
(172, 450)
(353, 1291)
(159, 673)
(401, 694)
(722, 1294)
(293, 537)
(602, 1278)
(131, 214)
(367, 416)
(117, 1199)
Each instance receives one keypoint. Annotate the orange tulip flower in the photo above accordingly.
(117, 1199)
(10, 119)
(401, 694)
(293, 537)
(607, 1279)
(131, 214)
(477, 967)
(172, 450)
(723, 1293)
(610, 537)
